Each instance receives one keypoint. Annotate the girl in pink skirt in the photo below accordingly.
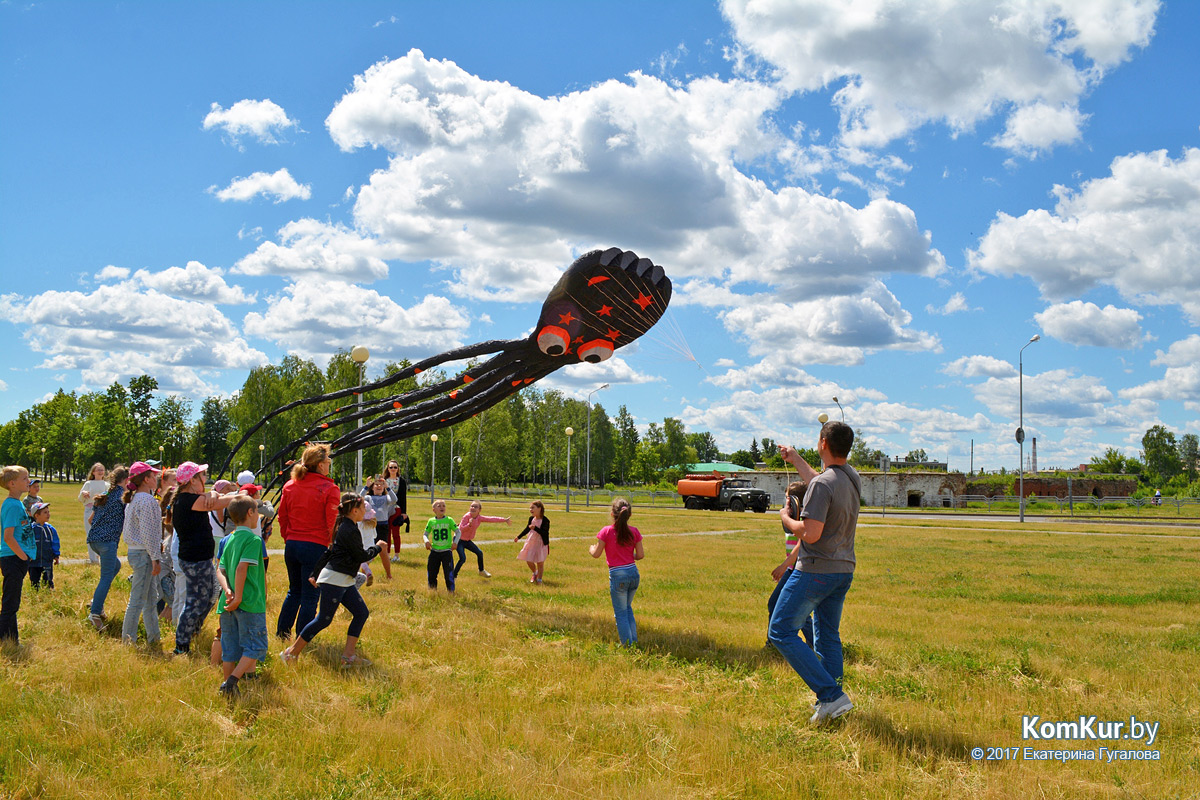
(538, 547)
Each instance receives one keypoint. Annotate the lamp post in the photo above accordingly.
(43, 463)
(360, 354)
(452, 462)
(589, 441)
(160, 455)
(569, 433)
(261, 450)
(839, 405)
(432, 463)
(1021, 425)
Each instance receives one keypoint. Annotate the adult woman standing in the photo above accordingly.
(399, 515)
(93, 487)
(308, 508)
(189, 515)
(104, 535)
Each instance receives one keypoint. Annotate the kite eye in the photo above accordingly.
(553, 340)
(596, 351)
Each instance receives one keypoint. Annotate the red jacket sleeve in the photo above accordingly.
(333, 496)
(281, 514)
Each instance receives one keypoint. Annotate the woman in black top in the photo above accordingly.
(196, 549)
(334, 575)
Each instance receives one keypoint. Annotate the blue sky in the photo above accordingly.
(876, 200)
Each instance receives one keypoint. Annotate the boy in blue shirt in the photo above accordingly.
(41, 566)
(16, 548)
(243, 602)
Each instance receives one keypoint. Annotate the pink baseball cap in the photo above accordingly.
(188, 470)
(224, 486)
(138, 468)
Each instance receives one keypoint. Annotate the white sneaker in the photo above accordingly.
(485, 573)
(831, 710)
(287, 658)
(97, 621)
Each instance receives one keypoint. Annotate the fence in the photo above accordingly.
(548, 494)
(1083, 504)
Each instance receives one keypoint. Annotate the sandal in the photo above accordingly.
(355, 661)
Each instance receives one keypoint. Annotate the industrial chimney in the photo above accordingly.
(1033, 456)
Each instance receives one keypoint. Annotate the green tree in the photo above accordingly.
(1114, 462)
(1161, 454)
(706, 446)
(625, 444)
(674, 443)
(212, 432)
(1189, 454)
(141, 416)
(862, 455)
(755, 453)
(743, 458)
(916, 455)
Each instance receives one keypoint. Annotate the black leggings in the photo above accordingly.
(463, 547)
(331, 597)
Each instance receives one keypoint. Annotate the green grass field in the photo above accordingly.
(953, 631)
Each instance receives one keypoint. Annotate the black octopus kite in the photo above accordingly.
(603, 301)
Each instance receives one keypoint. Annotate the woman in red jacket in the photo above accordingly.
(307, 511)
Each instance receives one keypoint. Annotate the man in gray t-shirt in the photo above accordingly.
(823, 562)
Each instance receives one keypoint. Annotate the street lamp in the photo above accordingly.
(1021, 425)
(569, 433)
(261, 449)
(360, 354)
(160, 456)
(589, 441)
(839, 405)
(432, 463)
(43, 463)
(452, 462)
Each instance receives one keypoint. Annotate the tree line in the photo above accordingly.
(520, 440)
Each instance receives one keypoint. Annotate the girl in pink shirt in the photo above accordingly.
(622, 548)
(468, 525)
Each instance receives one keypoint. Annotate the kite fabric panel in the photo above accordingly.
(602, 302)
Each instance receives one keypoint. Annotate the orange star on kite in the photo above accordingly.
(644, 301)
(605, 311)
(612, 334)
(566, 319)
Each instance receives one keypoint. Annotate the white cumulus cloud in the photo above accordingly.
(901, 65)
(1137, 230)
(262, 120)
(1083, 323)
(315, 318)
(194, 282)
(979, 367)
(118, 331)
(505, 187)
(310, 247)
(279, 184)
(956, 303)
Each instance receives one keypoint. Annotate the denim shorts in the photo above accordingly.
(243, 635)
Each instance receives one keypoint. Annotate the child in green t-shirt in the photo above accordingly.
(242, 606)
(441, 537)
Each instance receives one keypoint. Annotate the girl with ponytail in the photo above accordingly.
(621, 544)
(333, 576)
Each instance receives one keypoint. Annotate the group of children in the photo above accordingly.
(30, 545)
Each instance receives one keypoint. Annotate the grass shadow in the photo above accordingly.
(915, 741)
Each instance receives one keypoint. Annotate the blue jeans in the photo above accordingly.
(821, 595)
(331, 597)
(463, 547)
(622, 584)
(110, 565)
(806, 629)
(141, 598)
(300, 605)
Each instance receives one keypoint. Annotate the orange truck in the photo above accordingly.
(718, 492)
